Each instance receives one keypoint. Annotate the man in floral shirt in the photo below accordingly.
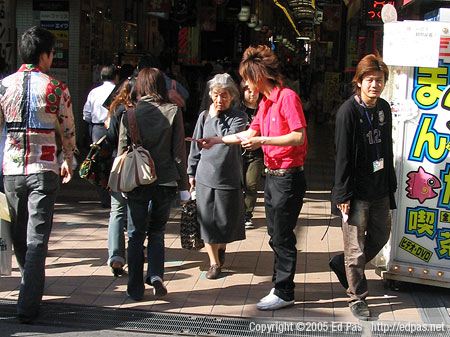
(35, 109)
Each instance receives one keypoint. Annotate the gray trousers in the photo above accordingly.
(31, 199)
(365, 233)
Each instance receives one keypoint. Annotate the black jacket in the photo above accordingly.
(351, 152)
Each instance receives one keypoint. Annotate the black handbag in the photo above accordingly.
(97, 165)
(189, 227)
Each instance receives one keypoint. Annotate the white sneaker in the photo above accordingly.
(267, 297)
(249, 224)
(273, 302)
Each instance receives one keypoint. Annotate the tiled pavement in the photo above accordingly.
(77, 272)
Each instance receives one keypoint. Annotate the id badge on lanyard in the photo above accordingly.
(377, 164)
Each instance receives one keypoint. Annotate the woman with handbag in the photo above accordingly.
(161, 129)
(124, 99)
(216, 174)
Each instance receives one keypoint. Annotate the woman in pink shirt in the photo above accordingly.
(279, 128)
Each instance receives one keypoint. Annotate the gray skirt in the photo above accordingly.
(220, 214)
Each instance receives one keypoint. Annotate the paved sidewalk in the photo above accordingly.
(77, 272)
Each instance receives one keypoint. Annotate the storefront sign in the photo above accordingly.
(412, 43)
(372, 11)
(54, 16)
(422, 226)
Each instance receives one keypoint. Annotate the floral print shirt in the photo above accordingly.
(36, 114)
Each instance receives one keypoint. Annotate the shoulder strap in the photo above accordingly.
(132, 124)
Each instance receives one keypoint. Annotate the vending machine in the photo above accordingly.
(418, 56)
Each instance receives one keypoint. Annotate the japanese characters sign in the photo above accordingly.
(423, 216)
(372, 11)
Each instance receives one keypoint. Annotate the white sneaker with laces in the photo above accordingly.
(273, 302)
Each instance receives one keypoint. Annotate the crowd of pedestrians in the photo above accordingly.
(245, 131)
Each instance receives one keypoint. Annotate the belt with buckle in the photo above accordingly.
(282, 172)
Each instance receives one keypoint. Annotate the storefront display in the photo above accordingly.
(419, 249)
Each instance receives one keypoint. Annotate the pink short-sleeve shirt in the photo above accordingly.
(278, 115)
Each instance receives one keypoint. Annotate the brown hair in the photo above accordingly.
(124, 96)
(151, 82)
(367, 64)
(258, 63)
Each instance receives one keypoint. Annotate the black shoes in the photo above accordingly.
(213, 272)
(24, 319)
(117, 269)
(337, 265)
(159, 289)
(360, 310)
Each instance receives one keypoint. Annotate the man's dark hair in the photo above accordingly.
(148, 61)
(108, 73)
(34, 42)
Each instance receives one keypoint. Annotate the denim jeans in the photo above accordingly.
(283, 197)
(365, 233)
(253, 168)
(31, 199)
(116, 226)
(142, 224)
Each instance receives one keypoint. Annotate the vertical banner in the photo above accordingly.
(421, 105)
(54, 16)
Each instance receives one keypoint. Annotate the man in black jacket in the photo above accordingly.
(365, 179)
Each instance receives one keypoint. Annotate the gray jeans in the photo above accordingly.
(365, 233)
(31, 199)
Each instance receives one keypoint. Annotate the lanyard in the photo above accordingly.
(376, 135)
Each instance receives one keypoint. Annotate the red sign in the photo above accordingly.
(372, 11)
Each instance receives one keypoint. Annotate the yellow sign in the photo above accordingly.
(415, 249)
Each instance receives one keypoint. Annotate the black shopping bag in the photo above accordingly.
(189, 227)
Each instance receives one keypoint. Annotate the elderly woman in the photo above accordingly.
(216, 174)
(161, 128)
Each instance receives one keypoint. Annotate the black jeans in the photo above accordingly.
(283, 202)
